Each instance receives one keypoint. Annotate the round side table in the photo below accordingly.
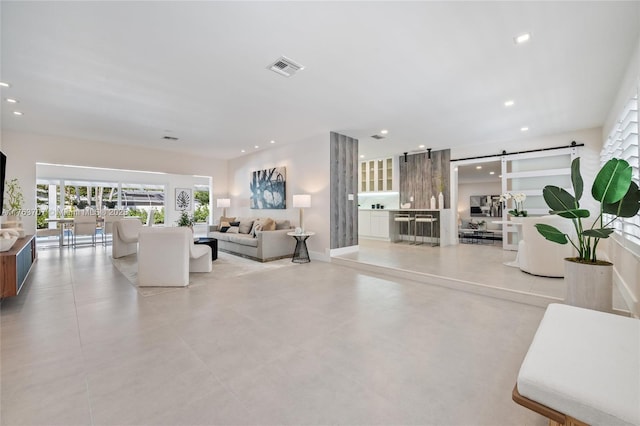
(301, 254)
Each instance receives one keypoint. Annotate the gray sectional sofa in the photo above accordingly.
(263, 246)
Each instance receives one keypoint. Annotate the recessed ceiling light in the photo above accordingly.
(256, 147)
(384, 131)
(3, 84)
(522, 38)
(524, 129)
(272, 142)
(492, 173)
(17, 113)
(12, 101)
(361, 155)
(478, 167)
(242, 150)
(421, 146)
(499, 176)
(509, 103)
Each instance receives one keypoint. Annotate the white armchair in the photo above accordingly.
(125, 237)
(538, 256)
(167, 255)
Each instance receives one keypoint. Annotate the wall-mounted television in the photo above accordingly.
(3, 168)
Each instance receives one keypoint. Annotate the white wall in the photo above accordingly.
(307, 167)
(23, 150)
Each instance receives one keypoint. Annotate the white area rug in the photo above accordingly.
(226, 266)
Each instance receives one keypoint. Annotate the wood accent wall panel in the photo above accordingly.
(420, 178)
(344, 181)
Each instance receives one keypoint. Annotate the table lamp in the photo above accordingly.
(301, 201)
(223, 203)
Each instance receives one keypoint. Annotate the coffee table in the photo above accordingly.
(211, 242)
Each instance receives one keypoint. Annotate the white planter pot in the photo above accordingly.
(516, 219)
(589, 286)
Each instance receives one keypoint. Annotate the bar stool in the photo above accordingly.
(401, 218)
(422, 219)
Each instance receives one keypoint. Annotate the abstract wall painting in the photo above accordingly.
(268, 189)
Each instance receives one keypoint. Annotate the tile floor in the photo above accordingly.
(481, 264)
(316, 343)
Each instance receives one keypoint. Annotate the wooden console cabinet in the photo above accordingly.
(16, 264)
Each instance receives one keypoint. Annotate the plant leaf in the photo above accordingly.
(612, 182)
(551, 233)
(598, 233)
(576, 178)
(628, 206)
(572, 214)
(558, 199)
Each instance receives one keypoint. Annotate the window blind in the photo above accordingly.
(623, 143)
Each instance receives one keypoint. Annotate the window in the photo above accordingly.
(623, 143)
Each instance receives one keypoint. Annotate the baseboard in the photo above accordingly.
(343, 250)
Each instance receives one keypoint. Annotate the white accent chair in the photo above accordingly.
(110, 217)
(167, 255)
(538, 256)
(125, 237)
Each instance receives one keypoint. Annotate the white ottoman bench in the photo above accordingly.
(583, 367)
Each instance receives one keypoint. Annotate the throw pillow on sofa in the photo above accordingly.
(245, 225)
(224, 226)
(283, 224)
(233, 230)
(263, 224)
(225, 219)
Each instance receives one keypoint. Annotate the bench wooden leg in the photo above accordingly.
(555, 417)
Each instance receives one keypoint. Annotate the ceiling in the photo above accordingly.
(472, 174)
(433, 73)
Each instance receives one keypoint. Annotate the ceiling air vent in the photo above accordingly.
(285, 66)
(169, 138)
(378, 137)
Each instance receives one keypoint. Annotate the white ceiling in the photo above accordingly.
(472, 174)
(432, 73)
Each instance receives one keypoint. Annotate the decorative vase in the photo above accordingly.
(433, 203)
(589, 285)
(440, 201)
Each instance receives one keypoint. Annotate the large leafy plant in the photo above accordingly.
(613, 188)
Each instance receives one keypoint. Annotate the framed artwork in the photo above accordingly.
(485, 205)
(268, 189)
(184, 199)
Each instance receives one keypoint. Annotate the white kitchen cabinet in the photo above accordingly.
(380, 224)
(373, 224)
(364, 222)
(377, 175)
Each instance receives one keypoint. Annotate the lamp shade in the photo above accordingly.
(302, 200)
(223, 202)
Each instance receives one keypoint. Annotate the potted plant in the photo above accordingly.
(185, 220)
(518, 200)
(589, 280)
